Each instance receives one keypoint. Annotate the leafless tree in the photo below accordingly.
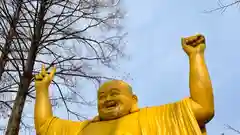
(9, 16)
(78, 37)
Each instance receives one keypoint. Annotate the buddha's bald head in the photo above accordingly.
(115, 99)
(115, 84)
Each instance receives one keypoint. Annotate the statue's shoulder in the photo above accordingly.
(61, 122)
(156, 106)
(167, 106)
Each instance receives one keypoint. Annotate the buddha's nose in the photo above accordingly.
(109, 98)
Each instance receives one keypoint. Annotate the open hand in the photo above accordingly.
(194, 44)
(43, 79)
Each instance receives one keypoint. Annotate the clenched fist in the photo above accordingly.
(43, 79)
(194, 44)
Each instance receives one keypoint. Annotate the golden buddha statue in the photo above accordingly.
(118, 112)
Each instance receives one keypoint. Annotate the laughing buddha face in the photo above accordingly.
(116, 99)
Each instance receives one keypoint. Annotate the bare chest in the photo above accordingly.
(127, 125)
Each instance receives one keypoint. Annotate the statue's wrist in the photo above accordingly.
(41, 89)
(196, 54)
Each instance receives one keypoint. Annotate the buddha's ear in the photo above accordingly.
(135, 104)
(135, 98)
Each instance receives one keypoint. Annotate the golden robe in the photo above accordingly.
(170, 119)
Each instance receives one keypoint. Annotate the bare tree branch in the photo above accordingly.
(233, 129)
(223, 7)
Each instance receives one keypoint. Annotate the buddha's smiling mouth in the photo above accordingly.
(111, 104)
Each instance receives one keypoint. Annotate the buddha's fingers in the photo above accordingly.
(43, 71)
(52, 73)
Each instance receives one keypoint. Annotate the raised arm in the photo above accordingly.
(45, 122)
(43, 107)
(201, 91)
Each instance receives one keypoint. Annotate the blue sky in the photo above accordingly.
(159, 67)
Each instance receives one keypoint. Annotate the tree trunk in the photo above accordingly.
(25, 80)
(15, 118)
